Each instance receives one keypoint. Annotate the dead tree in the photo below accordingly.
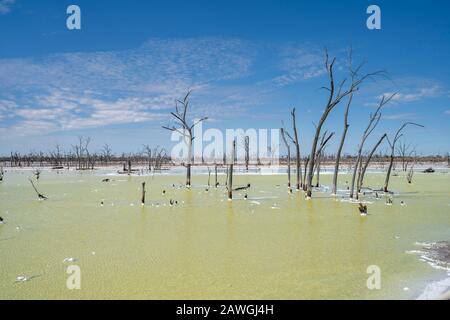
(397, 136)
(410, 174)
(353, 75)
(209, 177)
(283, 135)
(230, 172)
(336, 94)
(215, 175)
(374, 119)
(324, 140)
(186, 130)
(304, 173)
(40, 195)
(107, 153)
(247, 151)
(366, 165)
(319, 159)
(297, 151)
(143, 194)
(148, 153)
(404, 151)
(341, 145)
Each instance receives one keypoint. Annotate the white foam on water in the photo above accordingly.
(435, 289)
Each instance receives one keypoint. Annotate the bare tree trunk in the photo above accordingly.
(388, 175)
(341, 145)
(288, 157)
(186, 130)
(247, 151)
(215, 175)
(374, 119)
(397, 136)
(143, 194)
(319, 158)
(230, 172)
(40, 195)
(297, 152)
(209, 177)
(336, 94)
(188, 166)
(361, 178)
(409, 177)
(304, 174)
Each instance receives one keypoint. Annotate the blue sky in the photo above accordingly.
(248, 63)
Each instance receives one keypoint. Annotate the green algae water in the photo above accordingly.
(274, 245)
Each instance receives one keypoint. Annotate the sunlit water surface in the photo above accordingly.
(274, 245)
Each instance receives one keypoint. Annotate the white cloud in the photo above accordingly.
(83, 90)
(6, 5)
(399, 116)
(299, 63)
(80, 90)
(414, 95)
(157, 65)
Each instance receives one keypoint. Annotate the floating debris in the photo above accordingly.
(362, 209)
(21, 279)
(69, 260)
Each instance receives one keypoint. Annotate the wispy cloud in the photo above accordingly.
(407, 89)
(6, 6)
(400, 116)
(80, 90)
(418, 94)
(298, 62)
(447, 112)
(84, 90)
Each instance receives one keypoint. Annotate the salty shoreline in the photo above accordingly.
(437, 255)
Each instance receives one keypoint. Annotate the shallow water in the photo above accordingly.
(272, 246)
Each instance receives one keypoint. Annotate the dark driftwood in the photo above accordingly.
(40, 195)
(143, 194)
(242, 188)
(230, 172)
